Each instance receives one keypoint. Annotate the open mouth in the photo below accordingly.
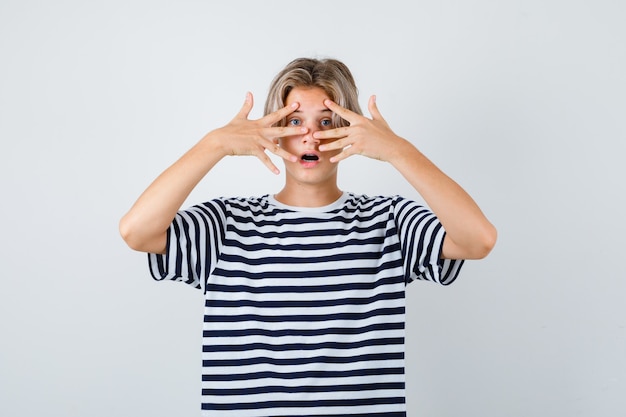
(309, 157)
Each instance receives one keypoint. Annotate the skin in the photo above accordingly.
(309, 184)
(144, 227)
(469, 235)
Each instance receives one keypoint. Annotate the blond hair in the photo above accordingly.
(330, 75)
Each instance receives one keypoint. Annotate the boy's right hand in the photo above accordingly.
(242, 136)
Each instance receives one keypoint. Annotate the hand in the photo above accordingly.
(254, 137)
(368, 137)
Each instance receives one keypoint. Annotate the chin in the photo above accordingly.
(313, 176)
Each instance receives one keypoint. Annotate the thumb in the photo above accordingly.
(373, 108)
(247, 107)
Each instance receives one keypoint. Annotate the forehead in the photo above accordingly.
(309, 98)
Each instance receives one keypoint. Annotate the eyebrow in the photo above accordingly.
(321, 111)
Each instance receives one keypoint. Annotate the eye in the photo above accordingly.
(294, 122)
(326, 123)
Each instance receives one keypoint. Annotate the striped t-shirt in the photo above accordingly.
(304, 307)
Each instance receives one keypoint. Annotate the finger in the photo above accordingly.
(278, 151)
(347, 152)
(267, 161)
(247, 106)
(283, 131)
(335, 145)
(280, 113)
(373, 109)
(342, 112)
(340, 132)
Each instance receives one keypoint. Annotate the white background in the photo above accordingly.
(522, 102)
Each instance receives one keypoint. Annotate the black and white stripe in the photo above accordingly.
(304, 308)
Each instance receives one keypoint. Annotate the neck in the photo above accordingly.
(304, 196)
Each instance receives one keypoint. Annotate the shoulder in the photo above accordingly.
(227, 203)
(255, 207)
(365, 202)
(397, 206)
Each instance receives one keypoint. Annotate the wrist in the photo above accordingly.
(403, 151)
(211, 144)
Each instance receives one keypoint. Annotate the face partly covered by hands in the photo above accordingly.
(309, 140)
(311, 177)
(313, 116)
(323, 145)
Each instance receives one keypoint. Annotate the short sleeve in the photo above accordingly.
(421, 239)
(194, 239)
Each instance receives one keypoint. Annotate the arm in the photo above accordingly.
(144, 227)
(469, 235)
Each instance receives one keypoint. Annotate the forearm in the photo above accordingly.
(144, 227)
(469, 235)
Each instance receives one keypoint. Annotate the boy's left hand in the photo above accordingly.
(368, 137)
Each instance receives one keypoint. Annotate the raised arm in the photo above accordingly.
(144, 227)
(469, 235)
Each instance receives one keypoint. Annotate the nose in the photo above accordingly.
(308, 137)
